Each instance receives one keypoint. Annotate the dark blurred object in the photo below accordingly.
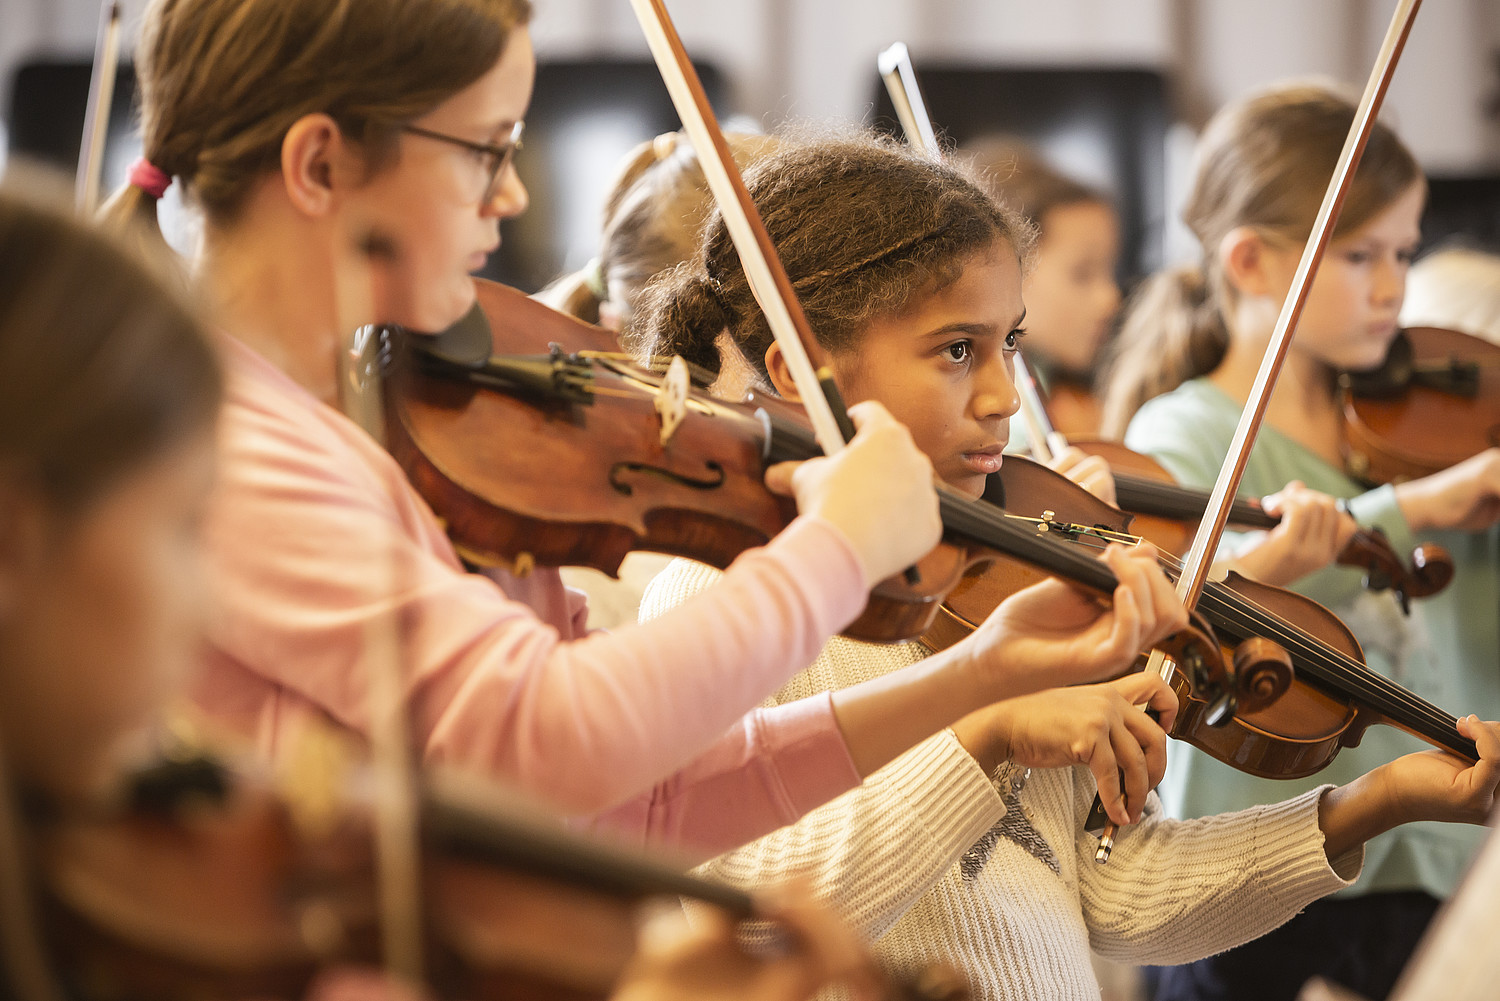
(585, 115)
(45, 118)
(1105, 126)
(1462, 211)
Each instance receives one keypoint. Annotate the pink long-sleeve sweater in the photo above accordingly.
(315, 535)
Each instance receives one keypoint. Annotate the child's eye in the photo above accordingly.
(1013, 339)
(959, 351)
(1358, 256)
(1406, 255)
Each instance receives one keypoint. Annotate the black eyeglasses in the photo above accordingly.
(496, 155)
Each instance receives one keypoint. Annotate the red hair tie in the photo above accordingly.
(150, 178)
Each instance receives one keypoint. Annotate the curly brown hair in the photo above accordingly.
(863, 226)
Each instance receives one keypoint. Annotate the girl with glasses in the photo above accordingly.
(289, 123)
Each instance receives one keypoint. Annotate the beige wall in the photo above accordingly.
(814, 58)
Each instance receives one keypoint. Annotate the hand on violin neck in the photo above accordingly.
(1053, 634)
(1427, 785)
(1464, 497)
(1099, 726)
(1313, 531)
(1092, 472)
(878, 492)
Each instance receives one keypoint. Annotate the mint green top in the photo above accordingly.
(1447, 652)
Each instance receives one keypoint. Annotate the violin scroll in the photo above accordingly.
(1430, 570)
(1262, 672)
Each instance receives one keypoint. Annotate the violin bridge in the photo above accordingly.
(671, 397)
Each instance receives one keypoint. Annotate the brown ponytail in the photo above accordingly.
(222, 81)
(1263, 162)
(1173, 332)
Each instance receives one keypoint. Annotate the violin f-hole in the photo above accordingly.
(620, 470)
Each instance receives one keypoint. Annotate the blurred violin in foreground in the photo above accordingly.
(204, 883)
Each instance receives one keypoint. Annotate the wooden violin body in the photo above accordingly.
(1332, 698)
(568, 461)
(1434, 403)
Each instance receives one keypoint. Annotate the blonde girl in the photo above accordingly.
(1186, 357)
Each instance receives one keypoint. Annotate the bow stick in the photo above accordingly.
(96, 115)
(901, 83)
(763, 269)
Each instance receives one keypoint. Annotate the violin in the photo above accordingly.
(205, 883)
(559, 459)
(1432, 403)
(1333, 696)
(1167, 513)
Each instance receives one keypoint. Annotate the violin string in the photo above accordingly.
(1334, 659)
(1401, 704)
(992, 525)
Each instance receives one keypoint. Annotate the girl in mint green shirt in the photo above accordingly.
(1183, 367)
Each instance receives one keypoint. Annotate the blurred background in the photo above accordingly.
(1112, 91)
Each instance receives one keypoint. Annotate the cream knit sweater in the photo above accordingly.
(937, 862)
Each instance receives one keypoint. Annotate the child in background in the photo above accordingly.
(1071, 293)
(1196, 335)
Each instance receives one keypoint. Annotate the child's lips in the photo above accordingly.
(985, 461)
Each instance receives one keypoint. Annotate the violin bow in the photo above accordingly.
(1195, 566)
(763, 269)
(396, 803)
(900, 76)
(96, 115)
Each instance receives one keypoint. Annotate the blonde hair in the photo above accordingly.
(1263, 162)
(862, 225)
(652, 217)
(222, 82)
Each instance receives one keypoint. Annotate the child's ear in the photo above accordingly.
(314, 158)
(781, 374)
(1245, 258)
